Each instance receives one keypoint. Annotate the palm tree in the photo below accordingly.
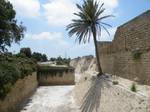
(89, 23)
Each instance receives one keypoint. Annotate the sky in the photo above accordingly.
(46, 22)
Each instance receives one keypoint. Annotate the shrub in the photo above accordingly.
(39, 57)
(26, 51)
(136, 54)
(115, 82)
(133, 88)
(12, 68)
(85, 78)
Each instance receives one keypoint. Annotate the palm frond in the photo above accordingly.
(106, 24)
(90, 22)
(105, 29)
(104, 17)
(89, 16)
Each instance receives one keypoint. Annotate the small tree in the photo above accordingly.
(89, 25)
(39, 57)
(26, 51)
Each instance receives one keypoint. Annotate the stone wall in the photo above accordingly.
(63, 76)
(117, 57)
(21, 90)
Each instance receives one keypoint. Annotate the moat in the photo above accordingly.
(51, 99)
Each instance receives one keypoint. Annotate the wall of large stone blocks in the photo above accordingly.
(117, 57)
(56, 77)
(127, 67)
(21, 90)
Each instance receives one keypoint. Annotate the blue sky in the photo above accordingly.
(46, 22)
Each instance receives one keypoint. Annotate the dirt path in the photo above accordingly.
(52, 99)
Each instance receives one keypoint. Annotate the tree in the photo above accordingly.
(52, 59)
(44, 57)
(10, 31)
(39, 57)
(89, 23)
(26, 51)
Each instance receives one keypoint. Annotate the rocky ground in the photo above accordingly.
(52, 99)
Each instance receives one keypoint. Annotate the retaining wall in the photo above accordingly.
(56, 76)
(21, 90)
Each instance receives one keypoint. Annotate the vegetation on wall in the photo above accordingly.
(53, 70)
(12, 68)
(136, 54)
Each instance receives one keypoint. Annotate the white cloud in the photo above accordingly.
(46, 35)
(27, 8)
(59, 12)
(56, 38)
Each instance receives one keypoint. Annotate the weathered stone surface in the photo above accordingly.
(61, 76)
(85, 63)
(114, 98)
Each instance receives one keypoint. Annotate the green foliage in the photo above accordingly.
(136, 54)
(115, 82)
(13, 67)
(10, 31)
(39, 57)
(88, 24)
(133, 88)
(26, 52)
(89, 21)
(61, 61)
(53, 70)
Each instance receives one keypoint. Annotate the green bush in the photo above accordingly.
(115, 82)
(12, 68)
(133, 88)
(136, 54)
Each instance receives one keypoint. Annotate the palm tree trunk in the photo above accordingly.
(97, 53)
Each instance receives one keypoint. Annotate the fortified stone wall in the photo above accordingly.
(62, 76)
(22, 89)
(131, 39)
